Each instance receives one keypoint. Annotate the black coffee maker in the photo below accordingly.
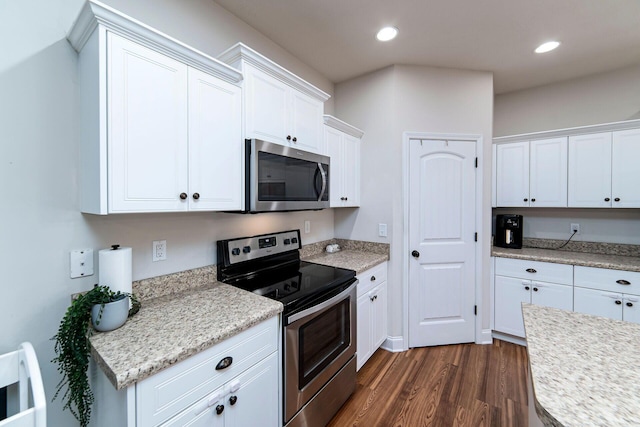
(508, 231)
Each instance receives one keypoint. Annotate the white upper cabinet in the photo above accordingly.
(160, 122)
(512, 174)
(590, 171)
(343, 147)
(279, 106)
(548, 173)
(625, 173)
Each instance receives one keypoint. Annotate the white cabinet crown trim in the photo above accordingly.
(94, 13)
(580, 130)
(336, 123)
(241, 52)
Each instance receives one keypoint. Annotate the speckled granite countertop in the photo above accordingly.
(170, 328)
(585, 369)
(348, 258)
(614, 262)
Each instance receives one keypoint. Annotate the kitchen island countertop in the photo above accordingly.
(171, 328)
(585, 369)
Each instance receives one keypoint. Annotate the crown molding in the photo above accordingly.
(95, 13)
(243, 53)
(342, 126)
(580, 130)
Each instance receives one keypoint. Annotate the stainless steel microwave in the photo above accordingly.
(280, 178)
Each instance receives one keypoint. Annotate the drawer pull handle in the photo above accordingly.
(531, 270)
(219, 409)
(224, 363)
(373, 278)
(623, 282)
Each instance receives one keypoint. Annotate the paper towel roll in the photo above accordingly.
(115, 268)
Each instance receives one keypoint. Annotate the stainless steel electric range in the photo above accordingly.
(319, 320)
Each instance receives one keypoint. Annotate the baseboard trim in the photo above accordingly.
(485, 337)
(394, 344)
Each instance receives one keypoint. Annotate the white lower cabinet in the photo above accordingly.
(513, 286)
(609, 293)
(372, 312)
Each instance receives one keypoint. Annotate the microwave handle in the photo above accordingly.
(324, 182)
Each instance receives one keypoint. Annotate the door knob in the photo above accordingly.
(415, 254)
(196, 196)
(183, 196)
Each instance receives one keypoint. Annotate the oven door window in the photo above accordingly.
(285, 179)
(322, 340)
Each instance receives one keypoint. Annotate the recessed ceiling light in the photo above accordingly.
(387, 33)
(547, 47)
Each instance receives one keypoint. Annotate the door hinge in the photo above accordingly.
(475, 310)
(476, 236)
(476, 162)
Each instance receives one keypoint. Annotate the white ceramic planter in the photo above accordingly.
(114, 315)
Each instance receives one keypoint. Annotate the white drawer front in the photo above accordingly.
(371, 278)
(535, 270)
(627, 282)
(173, 389)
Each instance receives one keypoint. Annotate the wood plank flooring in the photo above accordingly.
(454, 385)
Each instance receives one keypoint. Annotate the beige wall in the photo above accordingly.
(385, 104)
(40, 221)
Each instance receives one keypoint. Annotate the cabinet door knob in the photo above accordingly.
(531, 270)
(623, 282)
(233, 400)
(535, 289)
(533, 200)
(371, 298)
(629, 304)
(288, 137)
(341, 198)
(196, 196)
(346, 198)
(183, 196)
(526, 200)
(224, 363)
(219, 409)
(373, 278)
(295, 139)
(618, 302)
(415, 254)
(526, 288)
(606, 199)
(617, 199)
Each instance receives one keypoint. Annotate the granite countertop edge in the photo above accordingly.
(359, 261)
(112, 350)
(612, 262)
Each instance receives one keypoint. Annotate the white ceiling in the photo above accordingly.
(336, 37)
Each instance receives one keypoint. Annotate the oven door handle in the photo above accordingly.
(316, 308)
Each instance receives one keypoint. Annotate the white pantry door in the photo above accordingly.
(442, 212)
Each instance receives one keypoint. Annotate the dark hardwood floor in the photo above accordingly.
(454, 385)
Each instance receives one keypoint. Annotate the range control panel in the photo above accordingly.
(248, 248)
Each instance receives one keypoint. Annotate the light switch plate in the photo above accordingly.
(382, 230)
(81, 263)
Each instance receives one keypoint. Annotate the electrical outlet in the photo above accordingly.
(307, 226)
(81, 263)
(575, 228)
(159, 250)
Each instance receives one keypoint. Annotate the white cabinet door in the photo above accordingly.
(334, 146)
(510, 293)
(216, 177)
(625, 173)
(552, 295)
(548, 173)
(266, 107)
(631, 308)
(512, 174)
(351, 170)
(147, 128)
(256, 398)
(379, 321)
(306, 122)
(597, 302)
(364, 345)
(589, 171)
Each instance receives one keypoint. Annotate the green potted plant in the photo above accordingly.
(72, 346)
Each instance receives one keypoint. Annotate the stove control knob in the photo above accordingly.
(294, 240)
(235, 251)
(287, 287)
(287, 241)
(246, 249)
